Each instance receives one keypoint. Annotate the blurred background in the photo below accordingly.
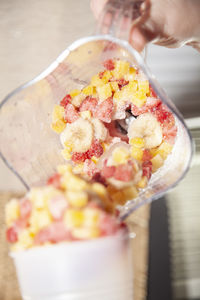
(34, 33)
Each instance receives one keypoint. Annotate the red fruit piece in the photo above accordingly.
(54, 233)
(107, 225)
(57, 206)
(90, 168)
(147, 169)
(152, 92)
(96, 149)
(78, 157)
(11, 235)
(71, 114)
(109, 64)
(104, 110)
(146, 155)
(122, 82)
(89, 103)
(107, 171)
(101, 74)
(66, 100)
(97, 177)
(25, 208)
(124, 172)
(170, 134)
(54, 180)
(151, 105)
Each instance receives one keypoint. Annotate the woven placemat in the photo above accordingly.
(139, 225)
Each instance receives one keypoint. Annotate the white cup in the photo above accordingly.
(83, 270)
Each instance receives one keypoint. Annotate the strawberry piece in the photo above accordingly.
(147, 169)
(104, 110)
(146, 155)
(78, 157)
(107, 171)
(57, 206)
(115, 132)
(97, 177)
(107, 225)
(124, 172)
(54, 233)
(152, 92)
(71, 114)
(54, 180)
(89, 103)
(11, 235)
(25, 208)
(90, 168)
(66, 100)
(101, 74)
(122, 82)
(96, 149)
(151, 105)
(109, 64)
(170, 134)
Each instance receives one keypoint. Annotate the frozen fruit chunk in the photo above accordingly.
(109, 64)
(25, 208)
(107, 171)
(150, 106)
(108, 225)
(124, 172)
(55, 180)
(146, 155)
(57, 206)
(71, 114)
(66, 100)
(11, 235)
(147, 169)
(96, 149)
(54, 233)
(78, 157)
(89, 103)
(90, 168)
(104, 110)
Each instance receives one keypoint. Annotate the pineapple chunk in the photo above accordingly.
(77, 100)
(130, 193)
(157, 162)
(58, 113)
(165, 149)
(139, 98)
(99, 189)
(89, 90)
(78, 169)
(106, 76)
(58, 126)
(104, 91)
(91, 217)
(74, 93)
(137, 153)
(12, 211)
(131, 74)
(143, 182)
(137, 142)
(73, 218)
(86, 114)
(120, 156)
(77, 199)
(39, 219)
(121, 68)
(96, 81)
(114, 86)
(143, 86)
(66, 154)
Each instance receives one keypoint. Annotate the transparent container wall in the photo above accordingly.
(30, 147)
(82, 270)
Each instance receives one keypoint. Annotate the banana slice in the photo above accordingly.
(100, 131)
(147, 127)
(79, 134)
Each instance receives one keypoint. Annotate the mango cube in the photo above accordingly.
(89, 90)
(12, 211)
(58, 126)
(73, 218)
(104, 91)
(157, 162)
(121, 68)
(136, 153)
(114, 86)
(66, 154)
(74, 93)
(143, 86)
(139, 98)
(131, 74)
(137, 142)
(97, 81)
(58, 113)
(143, 182)
(120, 156)
(77, 199)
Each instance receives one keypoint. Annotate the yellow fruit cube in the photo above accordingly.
(25, 239)
(114, 86)
(165, 149)
(143, 86)
(157, 162)
(77, 100)
(130, 193)
(58, 113)
(120, 155)
(86, 114)
(95, 159)
(86, 233)
(99, 189)
(105, 146)
(96, 81)
(143, 182)
(66, 154)
(89, 90)
(91, 217)
(68, 146)
(63, 169)
(12, 211)
(139, 98)
(39, 219)
(104, 91)
(106, 76)
(121, 68)
(131, 87)
(74, 93)
(78, 168)
(59, 126)
(119, 96)
(77, 199)
(131, 74)
(137, 142)
(73, 218)
(136, 153)
(73, 183)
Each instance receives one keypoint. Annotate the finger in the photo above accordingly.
(137, 39)
(97, 7)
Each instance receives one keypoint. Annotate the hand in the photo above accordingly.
(169, 23)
